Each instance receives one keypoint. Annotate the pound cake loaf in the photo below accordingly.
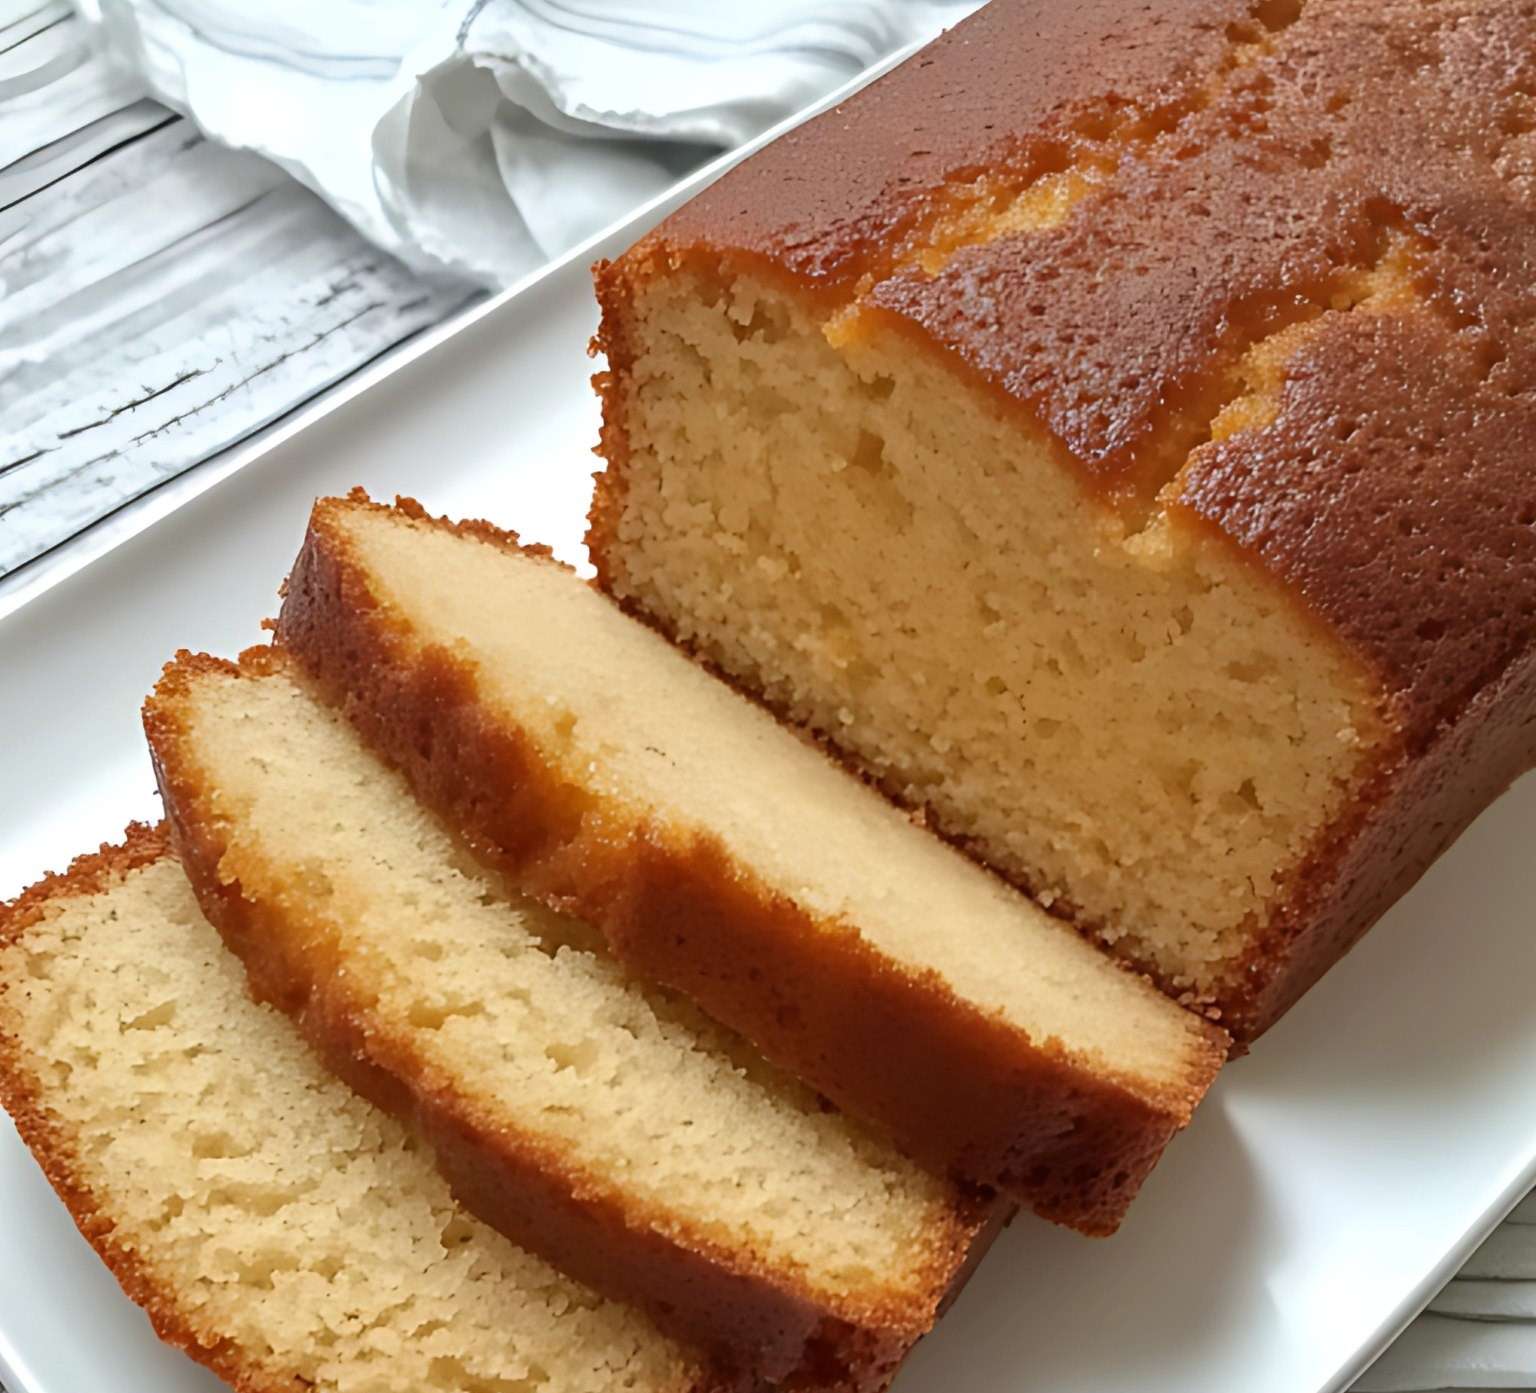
(601, 770)
(1112, 431)
(273, 1225)
(613, 1130)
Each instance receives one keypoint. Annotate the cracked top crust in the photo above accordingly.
(1221, 172)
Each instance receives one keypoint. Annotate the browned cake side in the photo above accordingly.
(679, 895)
(1245, 285)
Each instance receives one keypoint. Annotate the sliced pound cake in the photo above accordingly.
(602, 770)
(614, 1130)
(1112, 430)
(273, 1224)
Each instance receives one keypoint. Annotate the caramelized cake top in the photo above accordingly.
(1111, 216)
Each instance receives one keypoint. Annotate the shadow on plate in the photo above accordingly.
(1050, 1310)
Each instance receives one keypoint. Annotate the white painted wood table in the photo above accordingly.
(161, 298)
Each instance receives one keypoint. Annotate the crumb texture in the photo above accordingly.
(469, 992)
(279, 1226)
(654, 742)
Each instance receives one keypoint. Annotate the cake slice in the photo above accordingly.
(611, 1128)
(273, 1225)
(600, 769)
(1112, 431)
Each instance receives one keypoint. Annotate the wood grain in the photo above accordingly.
(161, 297)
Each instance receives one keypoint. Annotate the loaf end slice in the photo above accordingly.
(272, 1224)
(721, 855)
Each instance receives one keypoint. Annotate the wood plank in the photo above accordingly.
(161, 297)
(1509, 1254)
(1442, 1352)
(1487, 1300)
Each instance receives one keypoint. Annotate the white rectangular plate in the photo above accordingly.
(1328, 1186)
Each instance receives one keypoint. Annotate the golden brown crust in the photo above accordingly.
(56, 1151)
(993, 96)
(1382, 412)
(1266, 152)
(960, 1090)
(1427, 568)
(758, 1323)
(88, 874)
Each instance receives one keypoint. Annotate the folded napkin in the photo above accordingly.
(1480, 1333)
(477, 138)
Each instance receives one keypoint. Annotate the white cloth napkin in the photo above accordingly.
(481, 137)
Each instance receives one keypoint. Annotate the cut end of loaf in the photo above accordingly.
(1107, 435)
